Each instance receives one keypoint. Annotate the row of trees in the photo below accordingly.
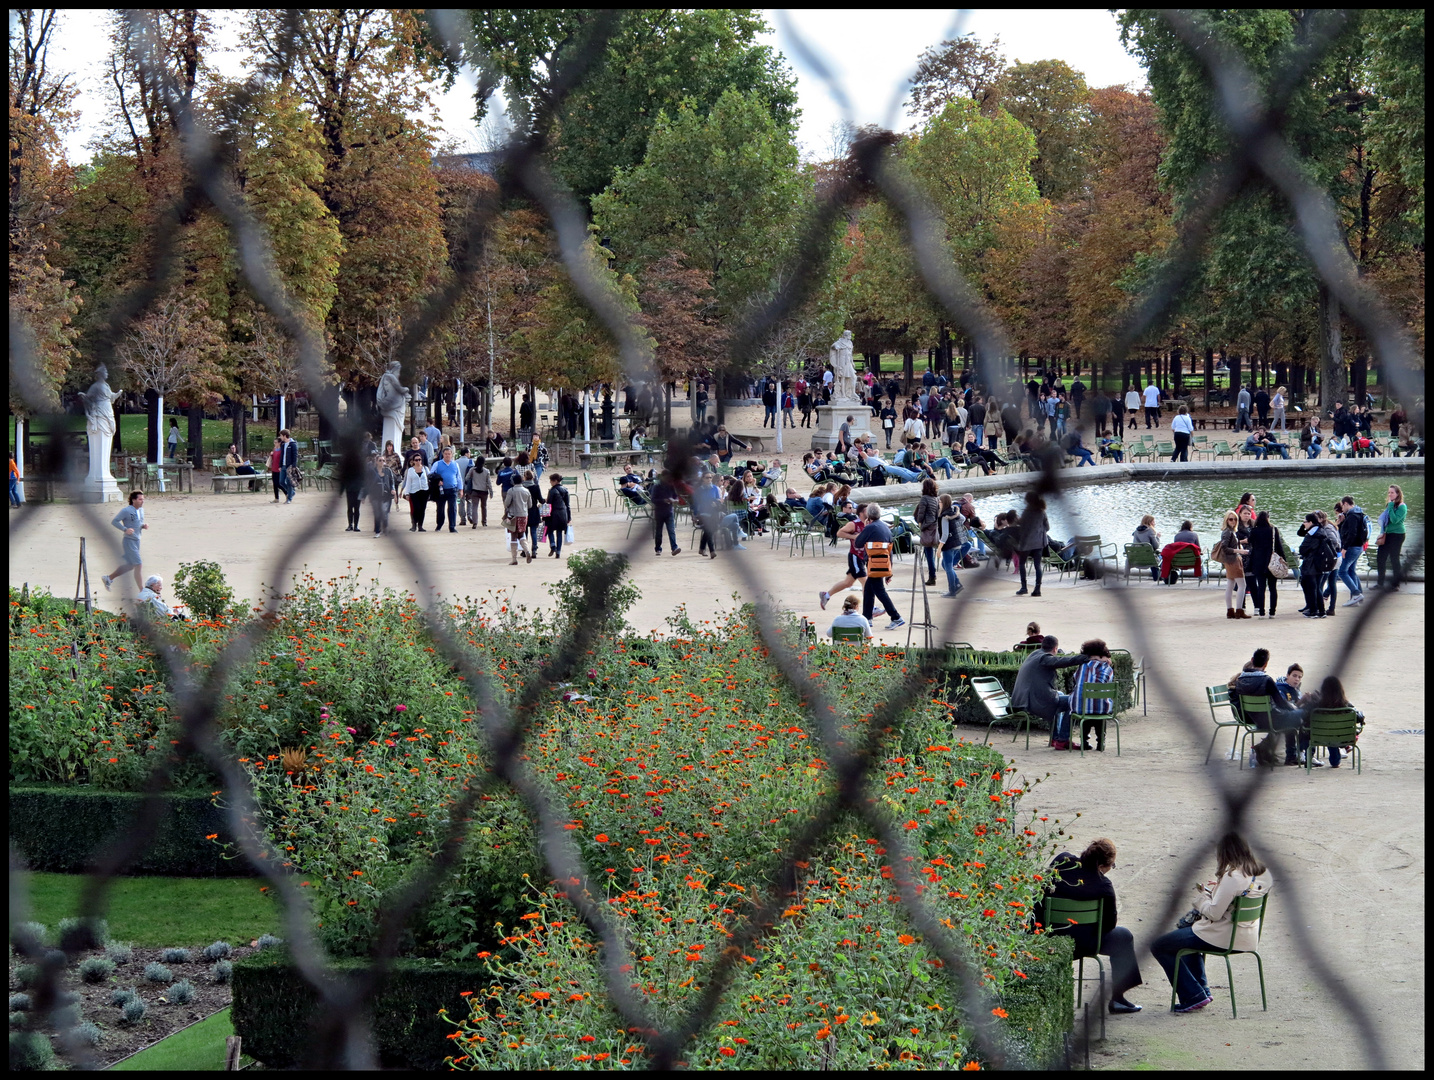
(1058, 202)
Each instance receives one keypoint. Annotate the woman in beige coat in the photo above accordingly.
(1238, 874)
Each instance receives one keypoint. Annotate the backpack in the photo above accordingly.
(878, 559)
(1328, 555)
(1361, 536)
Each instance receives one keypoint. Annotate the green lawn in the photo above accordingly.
(217, 433)
(199, 1047)
(156, 912)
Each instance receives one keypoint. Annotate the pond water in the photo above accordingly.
(1114, 510)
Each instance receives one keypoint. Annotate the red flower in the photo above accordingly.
(727, 1051)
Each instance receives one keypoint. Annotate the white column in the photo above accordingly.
(458, 399)
(255, 416)
(779, 415)
(20, 452)
(159, 423)
(587, 416)
(281, 412)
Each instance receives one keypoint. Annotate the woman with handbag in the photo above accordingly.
(559, 515)
(928, 516)
(1390, 540)
(1208, 926)
(1231, 555)
(1267, 562)
(415, 490)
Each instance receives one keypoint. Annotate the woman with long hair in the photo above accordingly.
(1032, 534)
(1331, 696)
(1265, 543)
(928, 516)
(1232, 557)
(1238, 874)
(1391, 537)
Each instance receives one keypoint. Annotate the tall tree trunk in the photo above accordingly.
(1282, 374)
(908, 369)
(196, 436)
(240, 427)
(154, 437)
(1359, 378)
(1332, 375)
(1233, 362)
(1209, 376)
(1297, 385)
(1179, 378)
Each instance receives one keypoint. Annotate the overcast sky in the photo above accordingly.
(871, 53)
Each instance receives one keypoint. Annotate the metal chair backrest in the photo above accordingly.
(1141, 555)
(1185, 559)
(985, 686)
(1333, 727)
(1100, 691)
(1065, 915)
(847, 633)
(1252, 705)
(1217, 696)
(1247, 909)
(1026, 646)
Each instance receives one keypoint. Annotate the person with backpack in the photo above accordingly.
(874, 542)
(477, 485)
(1318, 556)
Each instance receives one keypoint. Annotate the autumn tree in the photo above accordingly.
(1051, 99)
(961, 68)
(679, 311)
(41, 101)
(173, 351)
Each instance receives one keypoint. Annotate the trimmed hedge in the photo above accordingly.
(1004, 666)
(62, 829)
(274, 1008)
(1041, 1009)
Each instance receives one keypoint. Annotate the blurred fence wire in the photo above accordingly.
(1258, 152)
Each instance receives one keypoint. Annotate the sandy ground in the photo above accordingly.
(1352, 845)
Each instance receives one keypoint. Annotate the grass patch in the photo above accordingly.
(158, 911)
(199, 1048)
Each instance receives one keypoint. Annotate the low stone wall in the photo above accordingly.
(1148, 470)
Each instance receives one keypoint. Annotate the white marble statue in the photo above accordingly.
(392, 400)
(99, 402)
(843, 369)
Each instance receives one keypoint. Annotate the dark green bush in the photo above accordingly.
(62, 828)
(274, 1008)
(30, 1052)
(1040, 1007)
(1004, 666)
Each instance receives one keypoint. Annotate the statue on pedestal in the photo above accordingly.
(843, 370)
(392, 400)
(99, 402)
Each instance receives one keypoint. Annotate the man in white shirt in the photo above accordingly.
(1152, 405)
(1132, 404)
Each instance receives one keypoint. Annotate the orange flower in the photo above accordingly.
(727, 1051)
(601, 838)
(824, 1032)
(541, 995)
(906, 939)
(971, 1066)
(911, 825)
(999, 1012)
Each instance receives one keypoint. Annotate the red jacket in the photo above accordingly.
(1167, 554)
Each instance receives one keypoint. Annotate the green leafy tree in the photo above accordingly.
(1395, 71)
(1052, 100)
(725, 188)
(955, 69)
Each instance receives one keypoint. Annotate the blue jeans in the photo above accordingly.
(1190, 986)
(286, 484)
(14, 492)
(1312, 452)
(952, 559)
(945, 464)
(770, 414)
(555, 538)
(1347, 573)
(1061, 725)
(1084, 455)
(1282, 448)
(979, 430)
(908, 475)
(658, 523)
(537, 471)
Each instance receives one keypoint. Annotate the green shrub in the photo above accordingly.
(202, 588)
(181, 993)
(158, 973)
(174, 956)
(122, 996)
(56, 958)
(576, 594)
(64, 829)
(30, 1052)
(28, 937)
(77, 935)
(17, 1020)
(65, 1017)
(1041, 1007)
(274, 1009)
(134, 1009)
(268, 941)
(220, 950)
(119, 952)
(25, 976)
(222, 972)
(19, 1002)
(96, 969)
(85, 1034)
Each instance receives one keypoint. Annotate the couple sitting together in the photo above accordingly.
(1035, 690)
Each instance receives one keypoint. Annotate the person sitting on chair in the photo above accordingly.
(1033, 636)
(1085, 878)
(850, 616)
(1096, 669)
(632, 490)
(793, 500)
(1035, 690)
(1255, 681)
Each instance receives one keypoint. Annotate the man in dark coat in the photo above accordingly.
(1085, 878)
(1036, 692)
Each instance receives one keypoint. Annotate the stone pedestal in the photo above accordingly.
(392, 432)
(830, 419)
(100, 485)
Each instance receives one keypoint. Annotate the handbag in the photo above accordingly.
(568, 537)
(1279, 568)
(1379, 540)
(1189, 919)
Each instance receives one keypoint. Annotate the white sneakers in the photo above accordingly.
(1354, 601)
(106, 579)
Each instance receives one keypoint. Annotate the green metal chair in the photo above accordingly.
(1096, 692)
(591, 489)
(636, 513)
(1186, 559)
(1062, 916)
(998, 708)
(1252, 706)
(1222, 449)
(1218, 697)
(1091, 547)
(1165, 450)
(1245, 909)
(1025, 646)
(1137, 682)
(1334, 727)
(847, 633)
(1140, 557)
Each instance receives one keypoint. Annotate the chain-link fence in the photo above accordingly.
(1259, 153)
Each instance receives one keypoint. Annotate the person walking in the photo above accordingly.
(1152, 404)
(1277, 408)
(955, 543)
(16, 480)
(477, 485)
(1032, 535)
(172, 440)
(288, 464)
(1238, 874)
(129, 521)
(415, 490)
(1182, 427)
(354, 485)
(276, 467)
(380, 492)
(874, 542)
(516, 504)
(1391, 538)
(665, 497)
(560, 513)
(1231, 556)
(788, 404)
(535, 509)
(1132, 404)
(450, 479)
(464, 461)
(1242, 410)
